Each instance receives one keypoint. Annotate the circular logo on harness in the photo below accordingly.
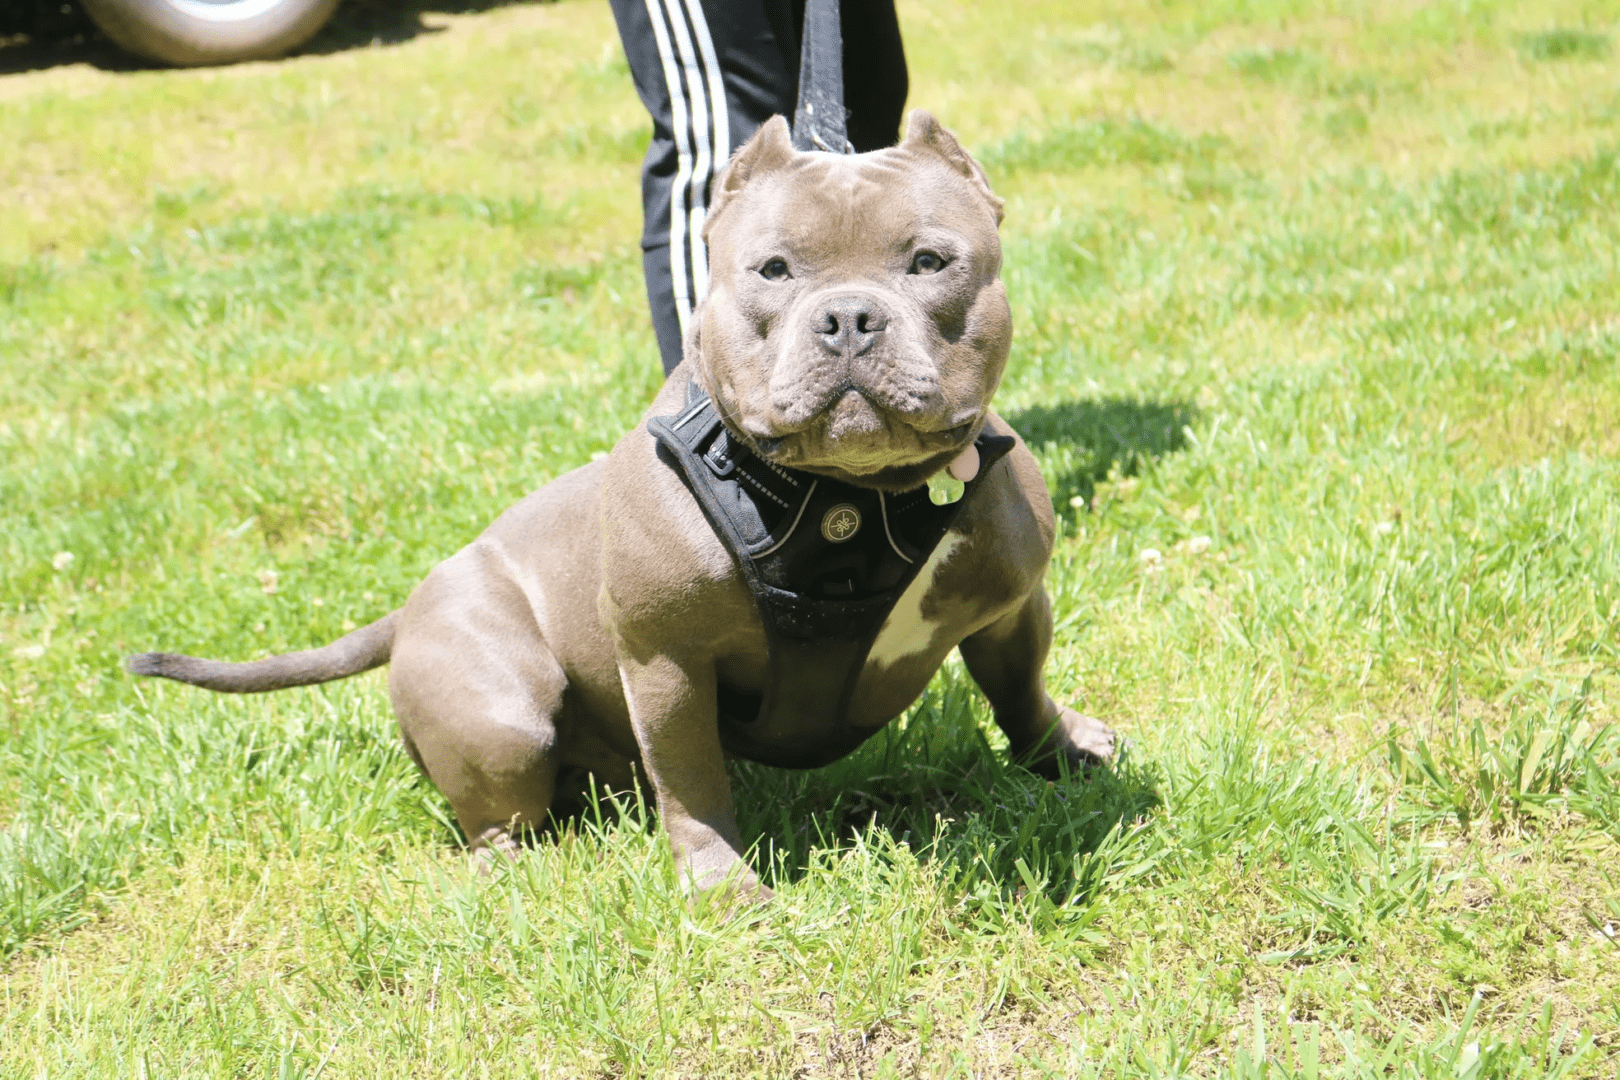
(840, 523)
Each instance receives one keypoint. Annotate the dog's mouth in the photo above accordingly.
(777, 451)
(859, 443)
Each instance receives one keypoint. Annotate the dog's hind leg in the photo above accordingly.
(479, 697)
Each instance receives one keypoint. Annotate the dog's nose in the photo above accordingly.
(850, 325)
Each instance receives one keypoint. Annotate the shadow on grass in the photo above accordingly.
(40, 34)
(937, 785)
(1084, 442)
(934, 784)
(359, 24)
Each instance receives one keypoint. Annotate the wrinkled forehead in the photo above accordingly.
(845, 202)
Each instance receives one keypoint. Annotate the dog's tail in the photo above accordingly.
(362, 650)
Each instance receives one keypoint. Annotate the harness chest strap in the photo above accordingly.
(825, 562)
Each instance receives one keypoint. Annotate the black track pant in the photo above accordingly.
(687, 56)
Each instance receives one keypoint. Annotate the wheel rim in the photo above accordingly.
(224, 11)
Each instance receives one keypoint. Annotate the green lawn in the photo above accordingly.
(1318, 319)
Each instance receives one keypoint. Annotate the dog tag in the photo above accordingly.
(966, 465)
(944, 489)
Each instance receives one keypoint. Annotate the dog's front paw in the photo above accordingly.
(1085, 740)
(724, 879)
(1081, 742)
(732, 894)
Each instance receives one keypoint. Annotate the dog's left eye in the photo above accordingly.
(927, 262)
(775, 270)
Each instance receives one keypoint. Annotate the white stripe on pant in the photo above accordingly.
(702, 139)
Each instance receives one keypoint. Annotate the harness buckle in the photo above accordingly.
(718, 456)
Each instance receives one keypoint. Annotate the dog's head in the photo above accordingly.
(855, 324)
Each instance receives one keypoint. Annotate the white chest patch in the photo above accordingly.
(905, 632)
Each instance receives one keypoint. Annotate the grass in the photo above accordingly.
(1316, 342)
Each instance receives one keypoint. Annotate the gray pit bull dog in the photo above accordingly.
(854, 331)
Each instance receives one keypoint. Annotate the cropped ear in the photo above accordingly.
(769, 149)
(925, 134)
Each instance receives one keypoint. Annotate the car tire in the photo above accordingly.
(192, 33)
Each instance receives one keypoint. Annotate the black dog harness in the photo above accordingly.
(826, 562)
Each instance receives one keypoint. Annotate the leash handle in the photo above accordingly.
(819, 122)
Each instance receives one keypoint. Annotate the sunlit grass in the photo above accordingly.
(1317, 345)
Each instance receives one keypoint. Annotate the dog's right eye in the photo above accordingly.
(775, 270)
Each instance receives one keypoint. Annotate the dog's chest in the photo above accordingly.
(914, 626)
(792, 724)
(845, 580)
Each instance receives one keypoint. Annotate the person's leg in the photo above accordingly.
(687, 55)
(709, 73)
(662, 303)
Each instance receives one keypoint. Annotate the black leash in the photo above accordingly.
(819, 123)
